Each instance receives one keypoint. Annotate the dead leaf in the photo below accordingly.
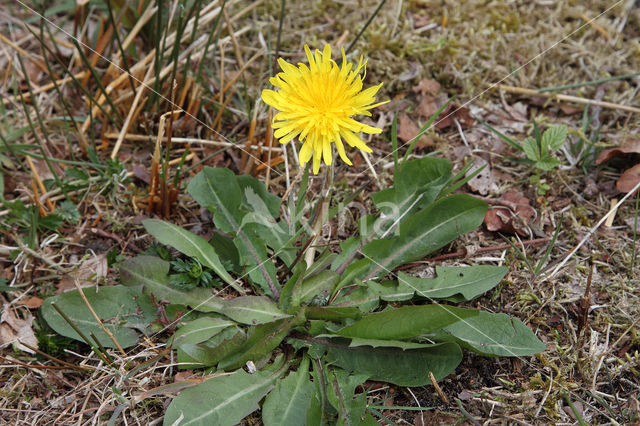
(32, 303)
(454, 112)
(411, 72)
(33, 72)
(88, 273)
(629, 146)
(141, 172)
(15, 330)
(483, 182)
(577, 405)
(430, 104)
(184, 375)
(568, 109)
(427, 86)
(629, 179)
(511, 213)
(465, 395)
(408, 129)
(517, 111)
(425, 418)
(43, 169)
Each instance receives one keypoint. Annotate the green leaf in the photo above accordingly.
(453, 283)
(116, 306)
(227, 252)
(150, 273)
(531, 149)
(255, 258)
(492, 334)
(377, 343)
(341, 389)
(219, 191)
(263, 224)
(547, 163)
(272, 202)
(262, 339)
(424, 178)
(426, 232)
(409, 367)
(553, 138)
(405, 322)
(190, 244)
(287, 404)
(362, 296)
(199, 330)
(252, 310)
(205, 354)
(315, 290)
(222, 400)
(330, 313)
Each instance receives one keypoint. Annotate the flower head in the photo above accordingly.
(317, 103)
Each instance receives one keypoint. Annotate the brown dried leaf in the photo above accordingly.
(141, 172)
(184, 375)
(629, 179)
(427, 86)
(569, 109)
(14, 329)
(483, 182)
(512, 214)
(408, 129)
(454, 112)
(88, 273)
(425, 418)
(493, 219)
(32, 303)
(629, 146)
(430, 104)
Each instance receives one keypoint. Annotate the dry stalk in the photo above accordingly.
(569, 98)
(189, 141)
(97, 318)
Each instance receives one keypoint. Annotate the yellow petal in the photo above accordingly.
(340, 147)
(326, 153)
(305, 153)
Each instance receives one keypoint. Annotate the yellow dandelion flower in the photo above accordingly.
(317, 103)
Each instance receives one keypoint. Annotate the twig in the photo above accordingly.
(26, 95)
(135, 137)
(52, 358)
(443, 397)
(596, 26)
(129, 244)
(41, 367)
(38, 179)
(97, 318)
(568, 98)
(480, 250)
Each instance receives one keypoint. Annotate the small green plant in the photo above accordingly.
(190, 274)
(310, 333)
(539, 151)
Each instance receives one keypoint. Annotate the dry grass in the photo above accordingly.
(593, 338)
